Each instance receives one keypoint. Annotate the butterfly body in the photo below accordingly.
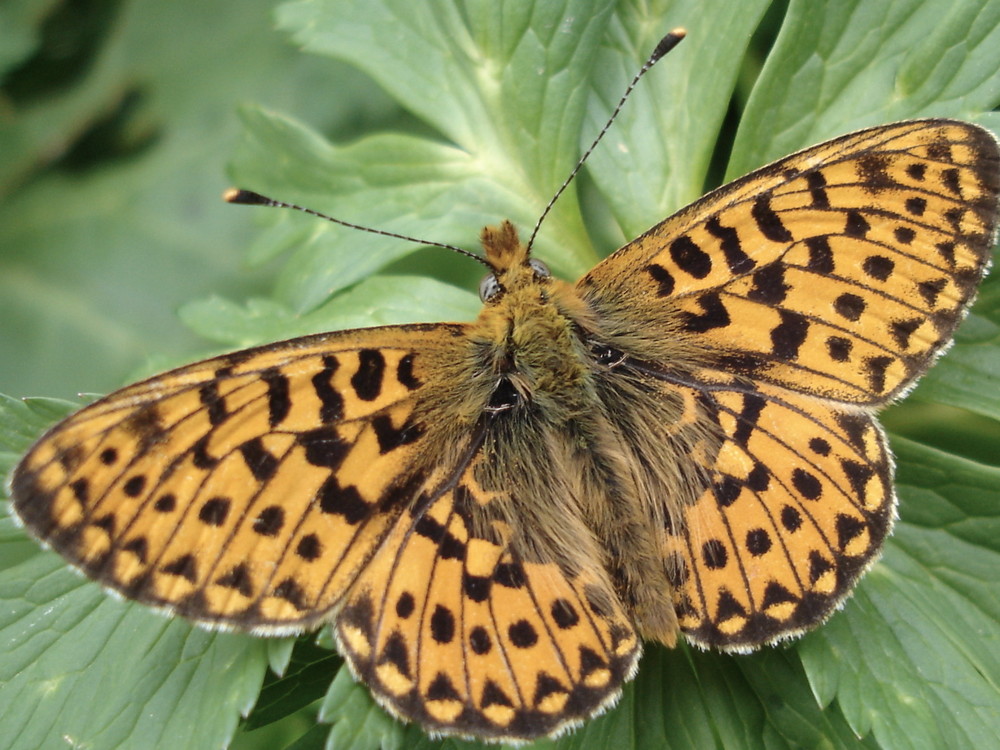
(574, 395)
(491, 514)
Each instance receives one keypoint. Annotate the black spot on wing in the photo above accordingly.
(166, 503)
(820, 255)
(737, 260)
(309, 548)
(442, 624)
(238, 578)
(331, 402)
(856, 225)
(817, 189)
(768, 221)
(291, 592)
(806, 483)
(916, 206)
(390, 437)
(848, 529)
(931, 289)
(324, 447)
(138, 547)
(134, 485)
(215, 405)
(214, 511)
(789, 335)
(876, 369)
(146, 426)
(690, 258)
(849, 306)
(200, 456)
(367, 380)
(261, 462)
(952, 180)
(522, 634)
(72, 456)
(184, 566)
(663, 279)
(769, 285)
(395, 652)
(714, 314)
(902, 330)
(278, 401)
(343, 501)
(917, 171)
(477, 588)
(480, 641)
(269, 521)
(753, 406)
(873, 170)
(404, 373)
(714, 555)
(839, 348)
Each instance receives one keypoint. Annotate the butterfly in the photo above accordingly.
(494, 515)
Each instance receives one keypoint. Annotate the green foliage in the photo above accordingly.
(502, 97)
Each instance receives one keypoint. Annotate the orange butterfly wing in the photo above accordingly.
(246, 490)
(841, 271)
(808, 293)
(459, 631)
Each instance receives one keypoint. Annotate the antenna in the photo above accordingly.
(667, 43)
(250, 198)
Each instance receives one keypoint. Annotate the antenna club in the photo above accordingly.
(671, 40)
(245, 197)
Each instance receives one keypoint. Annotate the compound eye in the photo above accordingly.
(541, 270)
(489, 287)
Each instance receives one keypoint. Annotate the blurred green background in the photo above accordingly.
(117, 120)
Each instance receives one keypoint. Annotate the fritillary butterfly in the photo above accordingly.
(494, 514)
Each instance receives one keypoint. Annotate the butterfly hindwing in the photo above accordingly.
(245, 490)
(457, 630)
(840, 271)
(799, 504)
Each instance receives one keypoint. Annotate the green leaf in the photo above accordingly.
(22, 421)
(357, 722)
(379, 300)
(81, 669)
(915, 657)
(518, 126)
(842, 66)
(968, 380)
(18, 30)
(304, 680)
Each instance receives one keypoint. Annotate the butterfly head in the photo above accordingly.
(513, 268)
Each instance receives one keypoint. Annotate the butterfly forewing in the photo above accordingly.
(840, 271)
(242, 490)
